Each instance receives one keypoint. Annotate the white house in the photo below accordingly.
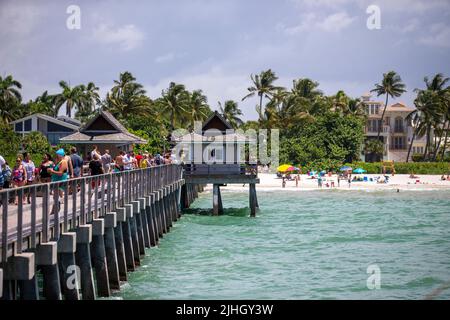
(52, 128)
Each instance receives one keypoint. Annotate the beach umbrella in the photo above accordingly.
(291, 168)
(312, 173)
(346, 168)
(359, 170)
(284, 167)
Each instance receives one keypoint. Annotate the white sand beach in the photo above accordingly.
(269, 181)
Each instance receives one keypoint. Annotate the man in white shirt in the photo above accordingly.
(128, 161)
(2, 163)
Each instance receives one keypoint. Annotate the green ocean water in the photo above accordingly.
(302, 245)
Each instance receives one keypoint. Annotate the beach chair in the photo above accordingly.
(365, 179)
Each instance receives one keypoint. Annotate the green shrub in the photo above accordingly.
(417, 157)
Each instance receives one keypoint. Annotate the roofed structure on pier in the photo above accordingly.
(106, 132)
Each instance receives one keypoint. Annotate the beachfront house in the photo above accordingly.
(104, 131)
(52, 128)
(396, 132)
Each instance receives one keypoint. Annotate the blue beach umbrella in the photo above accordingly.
(345, 168)
(359, 170)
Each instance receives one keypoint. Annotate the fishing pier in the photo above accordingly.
(84, 244)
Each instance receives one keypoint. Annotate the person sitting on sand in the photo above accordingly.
(443, 178)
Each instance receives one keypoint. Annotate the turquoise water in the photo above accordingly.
(302, 245)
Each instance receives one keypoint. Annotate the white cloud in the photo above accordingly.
(438, 36)
(18, 19)
(128, 37)
(336, 22)
(165, 58)
(332, 23)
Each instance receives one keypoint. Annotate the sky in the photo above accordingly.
(215, 45)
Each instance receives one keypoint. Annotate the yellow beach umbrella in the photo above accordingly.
(283, 167)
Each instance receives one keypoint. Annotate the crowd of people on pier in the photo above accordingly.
(64, 166)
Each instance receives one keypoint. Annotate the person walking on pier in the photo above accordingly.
(77, 163)
(29, 166)
(106, 161)
(60, 171)
(19, 175)
(118, 162)
(44, 175)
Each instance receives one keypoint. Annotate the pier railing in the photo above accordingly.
(44, 211)
(244, 169)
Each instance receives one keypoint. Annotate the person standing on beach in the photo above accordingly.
(349, 180)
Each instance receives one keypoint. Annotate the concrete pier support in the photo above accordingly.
(139, 227)
(127, 244)
(98, 253)
(167, 208)
(252, 199)
(131, 219)
(217, 200)
(67, 266)
(111, 251)
(83, 259)
(47, 262)
(20, 268)
(144, 223)
(151, 222)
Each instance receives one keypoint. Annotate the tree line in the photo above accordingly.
(314, 127)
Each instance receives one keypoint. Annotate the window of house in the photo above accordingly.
(377, 109)
(398, 143)
(398, 124)
(27, 125)
(18, 127)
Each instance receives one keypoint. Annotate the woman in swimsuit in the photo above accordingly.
(19, 177)
(60, 171)
(47, 163)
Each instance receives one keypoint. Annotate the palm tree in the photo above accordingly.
(306, 88)
(72, 97)
(391, 86)
(437, 84)
(125, 99)
(89, 101)
(10, 98)
(231, 112)
(356, 108)
(197, 107)
(446, 120)
(416, 118)
(428, 103)
(173, 101)
(262, 86)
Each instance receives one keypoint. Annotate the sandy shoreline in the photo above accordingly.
(269, 182)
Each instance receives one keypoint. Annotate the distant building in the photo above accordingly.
(52, 128)
(104, 131)
(396, 132)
